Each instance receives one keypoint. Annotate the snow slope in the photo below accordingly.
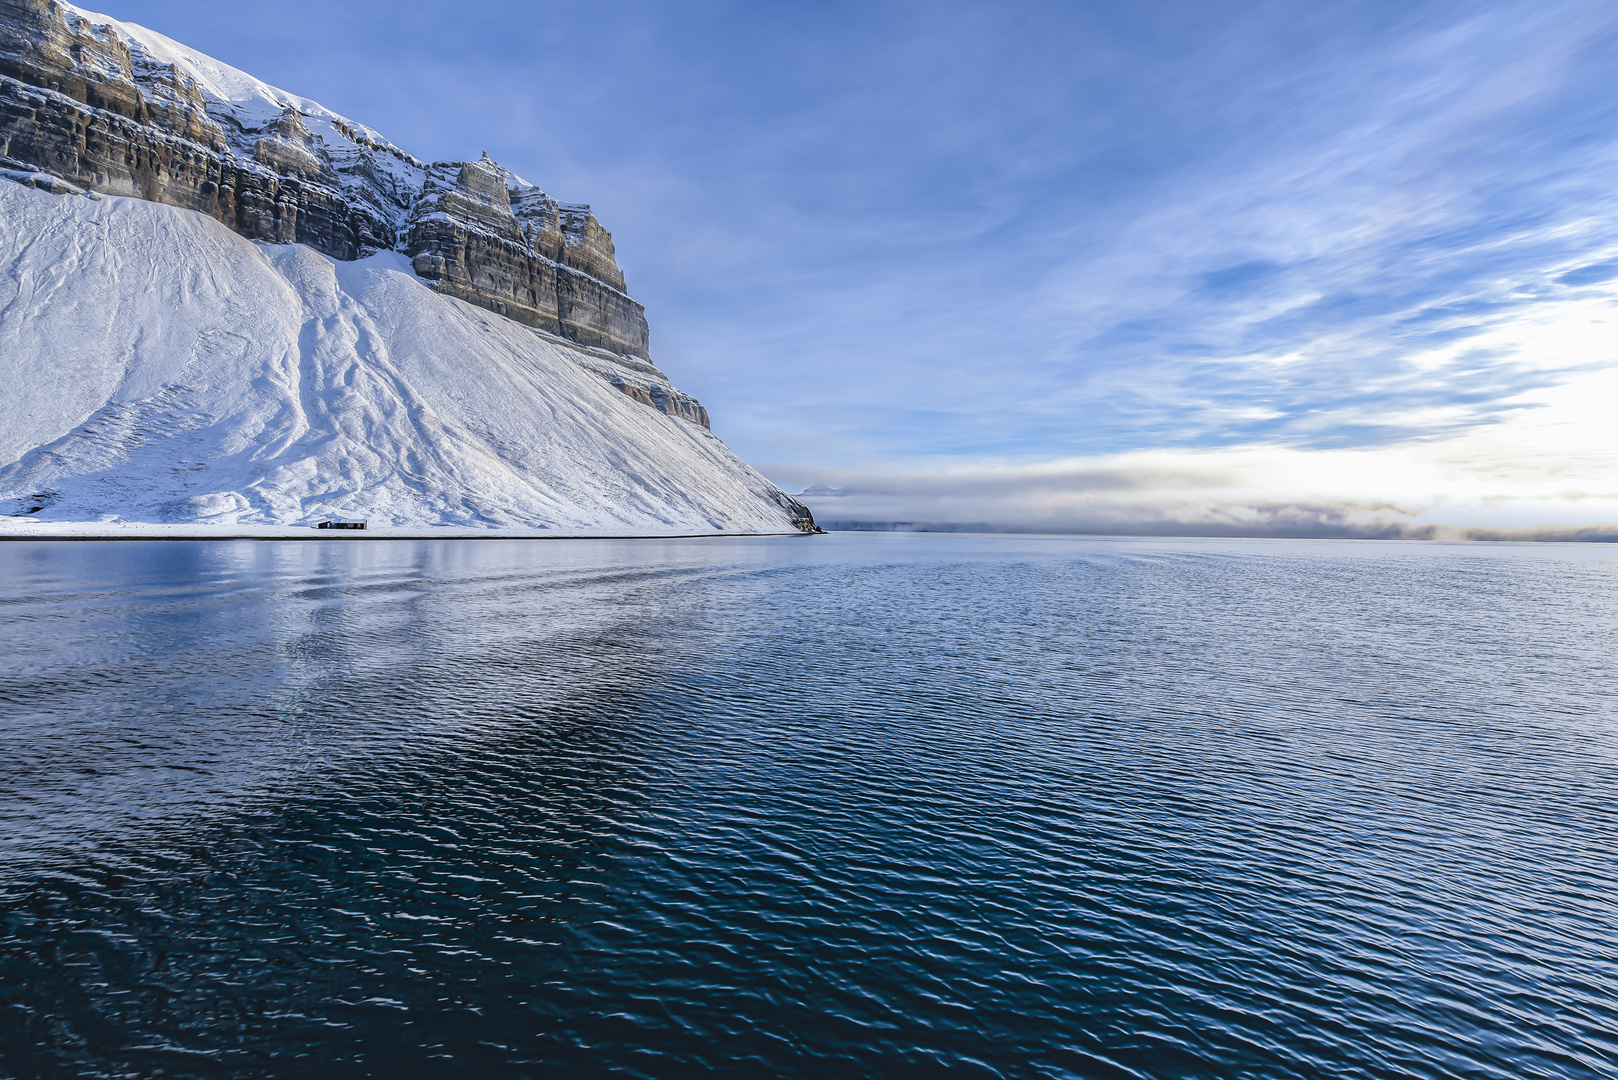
(156, 367)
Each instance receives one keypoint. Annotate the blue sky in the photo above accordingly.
(905, 239)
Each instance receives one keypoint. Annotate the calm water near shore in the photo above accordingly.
(862, 804)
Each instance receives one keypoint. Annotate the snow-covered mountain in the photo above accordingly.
(222, 303)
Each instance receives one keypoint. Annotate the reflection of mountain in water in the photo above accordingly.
(858, 807)
(303, 662)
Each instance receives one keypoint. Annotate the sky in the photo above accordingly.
(1144, 266)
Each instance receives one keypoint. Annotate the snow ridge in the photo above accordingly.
(229, 92)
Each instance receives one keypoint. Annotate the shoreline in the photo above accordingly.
(99, 531)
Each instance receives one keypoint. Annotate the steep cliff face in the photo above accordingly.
(118, 109)
(351, 385)
(487, 237)
(84, 99)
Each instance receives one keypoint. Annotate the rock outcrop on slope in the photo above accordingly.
(90, 106)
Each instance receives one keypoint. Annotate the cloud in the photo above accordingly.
(1549, 472)
(1252, 492)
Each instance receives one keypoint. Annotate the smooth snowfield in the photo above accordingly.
(156, 367)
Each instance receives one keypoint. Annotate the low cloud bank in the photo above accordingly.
(1378, 494)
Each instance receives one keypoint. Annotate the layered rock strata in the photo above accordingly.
(116, 109)
(484, 236)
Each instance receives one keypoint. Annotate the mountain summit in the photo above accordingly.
(224, 303)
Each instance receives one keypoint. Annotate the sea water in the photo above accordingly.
(853, 805)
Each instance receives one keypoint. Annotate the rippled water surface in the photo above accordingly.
(852, 805)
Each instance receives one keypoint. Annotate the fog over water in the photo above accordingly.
(867, 804)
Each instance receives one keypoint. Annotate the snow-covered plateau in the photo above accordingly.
(224, 309)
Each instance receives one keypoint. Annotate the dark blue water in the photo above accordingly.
(857, 805)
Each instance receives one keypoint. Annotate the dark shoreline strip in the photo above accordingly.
(337, 536)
